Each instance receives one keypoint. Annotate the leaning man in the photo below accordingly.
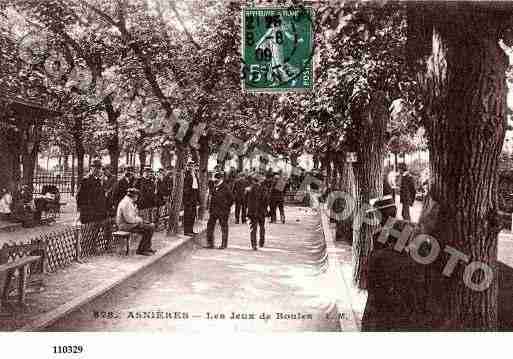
(128, 220)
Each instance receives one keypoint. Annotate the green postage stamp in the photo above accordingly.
(277, 49)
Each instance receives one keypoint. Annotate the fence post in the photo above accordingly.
(78, 247)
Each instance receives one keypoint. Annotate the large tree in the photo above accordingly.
(455, 48)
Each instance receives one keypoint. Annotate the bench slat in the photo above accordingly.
(19, 263)
(121, 233)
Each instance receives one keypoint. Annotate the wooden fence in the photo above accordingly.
(73, 243)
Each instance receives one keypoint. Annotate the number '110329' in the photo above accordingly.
(67, 349)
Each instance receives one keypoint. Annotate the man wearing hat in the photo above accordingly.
(146, 187)
(128, 219)
(257, 198)
(120, 188)
(91, 200)
(407, 191)
(278, 189)
(190, 198)
(220, 203)
(239, 189)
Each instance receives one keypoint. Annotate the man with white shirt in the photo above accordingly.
(127, 219)
(190, 198)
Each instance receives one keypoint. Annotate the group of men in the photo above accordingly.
(255, 196)
(101, 194)
(404, 182)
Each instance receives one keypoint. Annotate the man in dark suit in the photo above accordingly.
(164, 186)
(239, 189)
(146, 187)
(121, 187)
(257, 199)
(220, 204)
(190, 199)
(91, 200)
(277, 200)
(407, 191)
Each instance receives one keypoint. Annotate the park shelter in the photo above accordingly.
(21, 126)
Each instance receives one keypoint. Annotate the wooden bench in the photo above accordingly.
(123, 235)
(9, 269)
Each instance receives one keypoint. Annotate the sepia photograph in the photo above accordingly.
(200, 166)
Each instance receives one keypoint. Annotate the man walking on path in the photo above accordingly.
(190, 199)
(240, 198)
(91, 200)
(278, 189)
(257, 200)
(128, 220)
(220, 204)
(407, 191)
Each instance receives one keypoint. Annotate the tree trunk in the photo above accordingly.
(152, 158)
(175, 205)
(142, 159)
(113, 140)
(80, 162)
(240, 163)
(73, 181)
(368, 181)
(294, 161)
(465, 91)
(344, 229)
(203, 175)
(66, 162)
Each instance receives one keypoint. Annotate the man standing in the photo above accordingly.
(128, 220)
(407, 191)
(240, 198)
(190, 199)
(121, 187)
(162, 188)
(257, 200)
(146, 187)
(91, 200)
(220, 204)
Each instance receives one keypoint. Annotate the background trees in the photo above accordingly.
(118, 70)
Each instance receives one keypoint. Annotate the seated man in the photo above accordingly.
(23, 204)
(5, 204)
(128, 220)
(49, 200)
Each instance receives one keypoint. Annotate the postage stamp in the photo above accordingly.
(277, 49)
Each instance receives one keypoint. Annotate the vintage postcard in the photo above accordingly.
(255, 167)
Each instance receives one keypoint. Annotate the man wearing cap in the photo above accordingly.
(91, 200)
(219, 210)
(257, 199)
(128, 219)
(120, 188)
(190, 198)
